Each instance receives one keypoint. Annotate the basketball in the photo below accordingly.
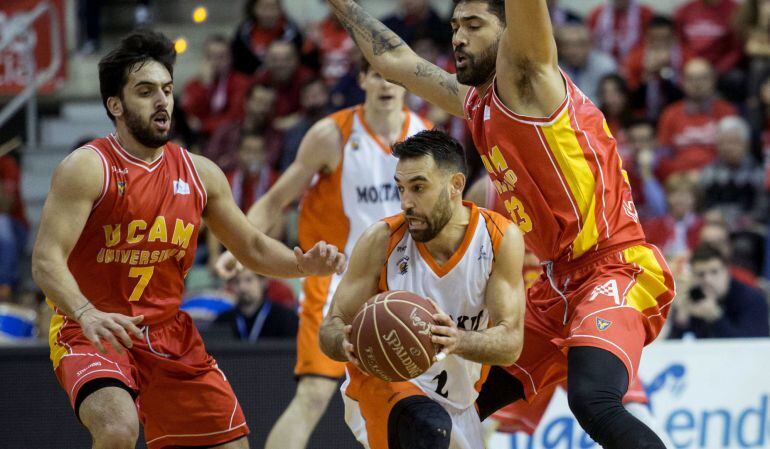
(391, 335)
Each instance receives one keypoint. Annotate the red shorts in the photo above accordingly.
(182, 397)
(525, 417)
(617, 300)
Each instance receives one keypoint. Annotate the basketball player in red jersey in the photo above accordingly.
(117, 237)
(605, 292)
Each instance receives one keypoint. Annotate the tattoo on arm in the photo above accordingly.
(444, 79)
(362, 27)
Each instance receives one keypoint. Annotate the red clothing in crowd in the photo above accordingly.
(261, 38)
(335, 48)
(288, 93)
(10, 180)
(249, 187)
(673, 237)
(222, 148)
(633, 66)
(219, 102)
(619, 32)
(706, 31)
(690, 134)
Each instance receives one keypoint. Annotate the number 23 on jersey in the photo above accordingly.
(505, 181)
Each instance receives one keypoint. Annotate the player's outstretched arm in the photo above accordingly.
(319, 152)
(529, 80)
(358, 285)
(501, 342)
(76, 185)
(255, 250)
(395, 61)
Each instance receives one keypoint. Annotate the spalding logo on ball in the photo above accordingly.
(391, 335)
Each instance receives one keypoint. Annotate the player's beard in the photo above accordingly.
(439, 217)
(479, 68)
(143, 131)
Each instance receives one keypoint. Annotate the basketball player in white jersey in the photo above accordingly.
(346, 161)
(468, 260)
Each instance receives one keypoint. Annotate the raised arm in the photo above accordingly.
(76, 184)
(319, 152)
(501, 342)
(529, 80)
(392, 58)
(358, 285)
(251, 247)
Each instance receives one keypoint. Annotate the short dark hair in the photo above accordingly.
(660, 22)
(131, 54)
(496, 7)
(705, 252)
(448, 153)
(364, 66)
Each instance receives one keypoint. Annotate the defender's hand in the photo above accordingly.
(322, 259)
(112, 327)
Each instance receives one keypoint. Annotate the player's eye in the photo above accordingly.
(417, 188)
(400, 189)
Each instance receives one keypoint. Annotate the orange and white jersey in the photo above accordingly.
(458, 286)
(339, 206)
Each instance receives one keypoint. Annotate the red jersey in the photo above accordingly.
(139, 241)
(560, 178)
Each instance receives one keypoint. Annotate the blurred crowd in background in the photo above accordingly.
(687, 97)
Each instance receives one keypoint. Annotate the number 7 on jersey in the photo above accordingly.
(144, 274)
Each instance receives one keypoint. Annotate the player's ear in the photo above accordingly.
(457, 184)
(115, 106)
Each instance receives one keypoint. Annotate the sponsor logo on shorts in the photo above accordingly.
(609, 288)
(602, 324)
(93, 365)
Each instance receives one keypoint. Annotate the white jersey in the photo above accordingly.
(339, 206)
(459, 288)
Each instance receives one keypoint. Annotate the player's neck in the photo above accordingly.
(448, 241)
(482, 88)
(386, 124)
(134, 148)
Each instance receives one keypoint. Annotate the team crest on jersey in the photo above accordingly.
(482, 253)
(602, 324)
(121, 187)
(403, 265)
(355, 144)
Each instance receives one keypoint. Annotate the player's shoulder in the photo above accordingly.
(82, 172)
(375, 241)
(340, 121)
(495, 219)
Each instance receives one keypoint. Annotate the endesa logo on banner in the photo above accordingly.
(703, 394)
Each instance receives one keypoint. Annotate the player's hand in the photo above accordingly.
(227, 266)
(322, 259)
(444, 333)
(349, 349)
(111, 327)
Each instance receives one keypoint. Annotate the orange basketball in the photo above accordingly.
(391, 335)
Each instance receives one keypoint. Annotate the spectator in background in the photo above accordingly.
(639, 161)
(734, 182)
(688, 128)
(704, 28)
(618, 26)
(715, 305)
(216, 95)
(677, 232)
(224, 143)
(256, 315)
(582, 63)
(716, 233)
(412, 16)
(251, 179)
(314, 101)
(615, 103)
(654, 69)
(561, 16)
(283, 72)
(253, 176)
(265, 23)
(347, 92)
(752, 24)
(13, 221)
(335, 48)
